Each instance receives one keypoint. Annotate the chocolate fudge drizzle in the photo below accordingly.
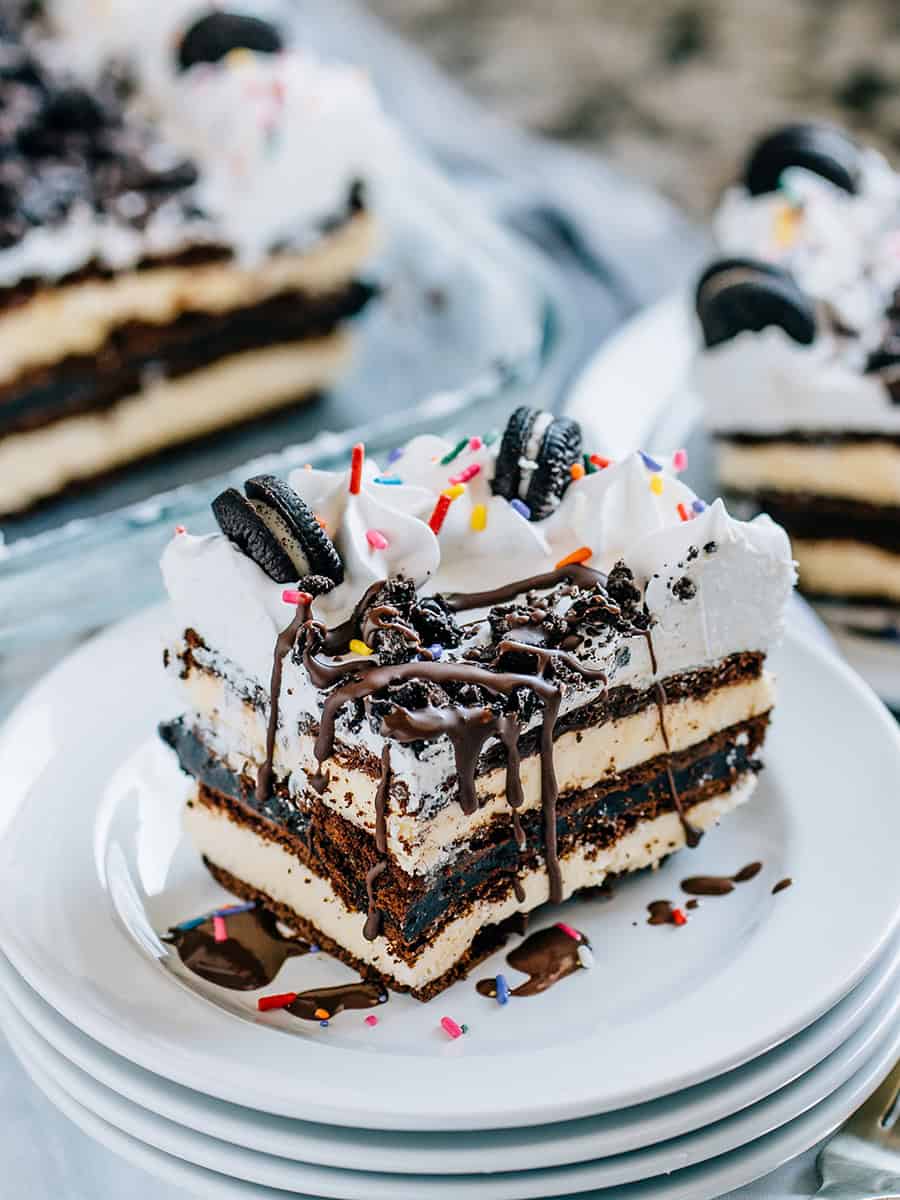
(283, 646)
(372, 927)
(250, 957)
(546, 956)
(692, 836)
(576, 573)
(719, 885)
(781, 885)
(381, 799)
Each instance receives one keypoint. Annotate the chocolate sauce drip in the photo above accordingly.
(250, 957)
(692, 904)
(518, 890)
(283, 647)
(381, 799)
(661, 913)
(467, 728)
(692, 836)
(337, 640)
(546, 957)
(517, 923)
(508, 732)
(550, 795)
(372, 927)
(576, 573)
(781, 885)
(310, 1005)
(384, 618)
(719, 885)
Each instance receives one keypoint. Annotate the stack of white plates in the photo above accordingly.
(687, 1062)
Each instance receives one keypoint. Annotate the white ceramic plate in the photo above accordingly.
(91, 819)
(636, 391)
(882, 1028)
(459, 1153)
(703, 1182)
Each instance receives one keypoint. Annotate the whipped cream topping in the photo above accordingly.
(55, 251)
(766, 383)
(841, 248)
(279, 139)
(740, 572)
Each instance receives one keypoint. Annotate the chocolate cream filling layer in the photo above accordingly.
(414, 907)
(596, 740)
(138, 353)
(78, 318)
(41, 462)
(265, 869)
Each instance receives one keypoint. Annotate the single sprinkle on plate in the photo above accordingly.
(502, 989)
(451, 1028)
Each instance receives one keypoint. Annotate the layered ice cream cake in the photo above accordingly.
(163, 279)
(424, 697)
(800, 371)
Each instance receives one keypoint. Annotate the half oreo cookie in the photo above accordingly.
(213, 36)
(278, 530)
(535, 460)
(823, 149)
(738, 294)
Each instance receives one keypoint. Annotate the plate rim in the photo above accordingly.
(722, 1137)
(706, 1181)
(41, 1016)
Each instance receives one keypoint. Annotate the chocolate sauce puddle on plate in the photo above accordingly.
(320, 1004)
(546, 956)
(250, 957)
(661, 913)
(719, 885)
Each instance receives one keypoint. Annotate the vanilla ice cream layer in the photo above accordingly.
(421, 843)
(77, 318)
(835, 567)
(868, 471)
(270, 868)
(40, 462)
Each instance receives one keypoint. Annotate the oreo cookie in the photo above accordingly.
(277, 529)
(535, 459)
(218, 33)
(823, 149)
(738, 294)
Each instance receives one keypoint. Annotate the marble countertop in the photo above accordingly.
(673, 91)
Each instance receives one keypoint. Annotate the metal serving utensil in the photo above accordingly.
(862, 1161)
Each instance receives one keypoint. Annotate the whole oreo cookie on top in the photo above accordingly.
(243, 526)
(278, 530)
(295, 523)
(735, 295)
(535, 459)
(823, 149)
(213, 36)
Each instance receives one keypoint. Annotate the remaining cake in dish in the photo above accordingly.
(157, 287)
(806, 421)
(814, 201)
(506, 671)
